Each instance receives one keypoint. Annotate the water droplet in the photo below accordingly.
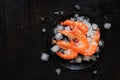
(42, 18)
(101, 43)
(76, 15)
(77, 7)
(61, 12)
(107, 25)
(43, 30)
(97, 56)
(105, 17)
(95, 72)
(58, 71)
(56, 12)
(44, 56)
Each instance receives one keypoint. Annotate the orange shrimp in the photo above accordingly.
(78, 43)
(72, 24)
(68, 33)
(82, 44)
(93, 45)
(68, 56)
(63, 44)
(68, 46)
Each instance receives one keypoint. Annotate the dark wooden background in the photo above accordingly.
(22, 40)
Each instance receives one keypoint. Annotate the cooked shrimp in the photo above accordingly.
(72, 24)
(70, 55)
(93, 45)
(68, 33)
(81, 41)
(68, 46)
(78, 42)
(63, 44)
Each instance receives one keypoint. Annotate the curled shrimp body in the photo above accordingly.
(93, 45)
(71, 55)
(68, 47)
(81, 42)
(75, 24)
(78, 42)
(62, 44)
